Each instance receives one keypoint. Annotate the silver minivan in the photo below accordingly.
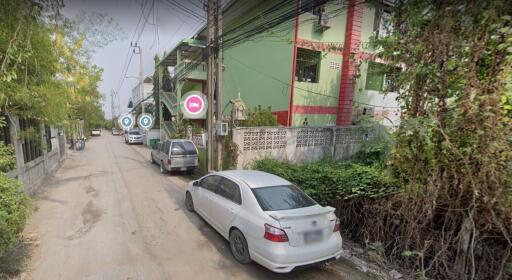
(175, 155)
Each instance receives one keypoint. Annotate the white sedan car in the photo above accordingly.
(266, 219)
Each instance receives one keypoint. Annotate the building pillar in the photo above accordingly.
(46, 164)
(294, 62)
(348, 71)
(14, 130)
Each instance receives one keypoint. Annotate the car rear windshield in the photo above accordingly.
(134, 133)
(282, 198)
(183, 148)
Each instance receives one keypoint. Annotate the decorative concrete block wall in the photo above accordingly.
(299, 144)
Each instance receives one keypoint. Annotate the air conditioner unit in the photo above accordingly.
(222, 128)
(323, 24)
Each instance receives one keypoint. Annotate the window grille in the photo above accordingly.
(307, 65)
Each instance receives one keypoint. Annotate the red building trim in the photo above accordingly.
(319, 110)
(294, 62)
(352, 41)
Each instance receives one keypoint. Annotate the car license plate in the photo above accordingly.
(312, 236)
(183, 169)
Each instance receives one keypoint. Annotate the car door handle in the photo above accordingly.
(231, 210)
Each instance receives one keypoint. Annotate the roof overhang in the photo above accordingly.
(187, 48)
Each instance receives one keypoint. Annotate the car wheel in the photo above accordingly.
(239, 247)
(162, 169)
(188, 202)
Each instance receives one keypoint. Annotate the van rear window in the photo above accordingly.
(183, 148)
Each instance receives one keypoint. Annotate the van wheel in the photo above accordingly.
(239, 247)
(162, 169)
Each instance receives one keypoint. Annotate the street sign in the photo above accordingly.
(126, 121)
(194, 105)
(145, 121)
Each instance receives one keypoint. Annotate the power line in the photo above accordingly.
(273, 17)
(179, 6)
(145, 20)
(303, 89)
(129, 54)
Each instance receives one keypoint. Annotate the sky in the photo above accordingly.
(165, 24)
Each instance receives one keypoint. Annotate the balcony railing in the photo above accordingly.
(190, 69)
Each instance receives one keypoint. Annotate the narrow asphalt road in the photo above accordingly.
(108, 213)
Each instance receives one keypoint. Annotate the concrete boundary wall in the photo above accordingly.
(33, 173)
(299, 144)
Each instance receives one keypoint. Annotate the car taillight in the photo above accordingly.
(336, 226)
(275, 234)
(169, 161)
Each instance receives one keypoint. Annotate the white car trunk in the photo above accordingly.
(306, 226)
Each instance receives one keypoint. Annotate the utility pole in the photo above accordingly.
(141, 74)
(218, 80)
(214, 81)
(210, 82)
(112, 112)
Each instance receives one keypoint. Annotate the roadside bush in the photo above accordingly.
(14, 203)
(7, 160)
(328, 182)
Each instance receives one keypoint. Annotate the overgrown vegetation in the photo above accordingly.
(452, 218)
(259, 117)
(448, 211)
(46, 72)
(13, 211)
(14, 202)
(329, 182)
(46, 75)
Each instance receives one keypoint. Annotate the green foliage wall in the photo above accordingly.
(329, 182)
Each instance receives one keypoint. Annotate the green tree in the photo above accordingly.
(452, 149)
(259, 117)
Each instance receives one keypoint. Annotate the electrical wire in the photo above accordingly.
(178, 6)
(279, 13)
(303, 89)
(129, 54)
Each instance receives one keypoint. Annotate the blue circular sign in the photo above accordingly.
(126, 121)
(145, 121)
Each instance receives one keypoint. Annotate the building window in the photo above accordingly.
(375, 76)
(382, 24)
(307, 65)
(380, 78)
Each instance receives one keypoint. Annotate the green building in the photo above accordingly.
(303, 66)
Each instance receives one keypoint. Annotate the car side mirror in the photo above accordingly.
(195, 183)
